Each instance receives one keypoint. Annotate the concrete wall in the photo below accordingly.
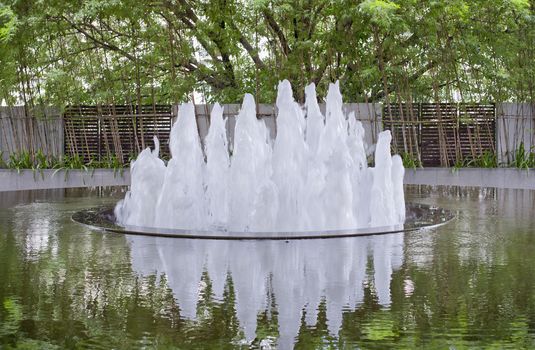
(43, 131)
(11, 180)
(476, 177)
(515, 123)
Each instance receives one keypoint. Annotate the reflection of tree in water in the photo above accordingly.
(317, 335)
(79, 289)
(267, 325)
(216, 325)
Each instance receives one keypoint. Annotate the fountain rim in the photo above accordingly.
(100, 218)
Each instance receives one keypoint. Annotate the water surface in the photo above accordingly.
(470, 283)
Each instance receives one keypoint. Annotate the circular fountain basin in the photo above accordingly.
(418, 216)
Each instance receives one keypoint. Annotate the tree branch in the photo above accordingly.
(278, 31)
(253, 53)
(190, 19)
(99, 42)
(412, 78)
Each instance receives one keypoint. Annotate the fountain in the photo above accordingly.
(314, 176)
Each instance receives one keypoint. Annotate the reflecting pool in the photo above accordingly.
(470, 283)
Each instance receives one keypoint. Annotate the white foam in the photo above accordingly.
(314, 176)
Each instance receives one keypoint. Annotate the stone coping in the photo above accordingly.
(13, 180)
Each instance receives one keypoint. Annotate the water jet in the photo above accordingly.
(312, 177)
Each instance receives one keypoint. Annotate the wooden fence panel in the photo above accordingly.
(121, 131)
(447, 132)
(438, 133)
(402, 119)
(156, 121)
(477, 126)
(82, 132)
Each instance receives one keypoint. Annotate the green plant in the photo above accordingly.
(486, 160)
(524, 159)
(68, 163)
(112, 162)
(459, 163)
(463, 163)
(19, 161)
(410, 161)
(42, 161)
(39, 162)
(3, 164)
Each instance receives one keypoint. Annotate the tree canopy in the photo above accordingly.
(159, 51)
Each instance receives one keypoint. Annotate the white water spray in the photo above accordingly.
(313, 177)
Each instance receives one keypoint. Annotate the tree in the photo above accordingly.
(142, 52)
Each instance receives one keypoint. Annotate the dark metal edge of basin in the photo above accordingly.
(103, 218)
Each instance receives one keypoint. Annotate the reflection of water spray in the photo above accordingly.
(313, 176)
(297, 275)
